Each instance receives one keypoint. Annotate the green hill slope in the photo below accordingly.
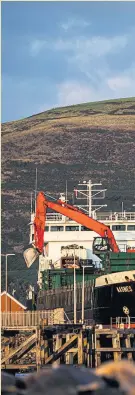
(87, 141)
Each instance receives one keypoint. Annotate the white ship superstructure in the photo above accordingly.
(61, 232)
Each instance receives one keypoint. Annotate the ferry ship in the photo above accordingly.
(114, 296)
(61, 232)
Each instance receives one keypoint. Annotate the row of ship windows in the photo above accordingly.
(83, 228)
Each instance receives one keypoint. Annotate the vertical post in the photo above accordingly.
(122, 209)
(128, 345)
(83, 296)
(7, 352)
(35, 189)
(38, 348)
(69, 355)
(111, 322)
(90, 198)
(31, 204)
(80, 349)
(116, 346)
(46, 349)
(42, 351)
(31, 226)
(66, 191)
(6, 285)
(6, 307)
(74, 290)
(98, 353)
(58, 344)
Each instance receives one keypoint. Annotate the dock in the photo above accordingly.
(32, 340)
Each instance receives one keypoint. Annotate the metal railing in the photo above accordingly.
(130, 216)
(122, 322)
(53, 217)
(101, 216)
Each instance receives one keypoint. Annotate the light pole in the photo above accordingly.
(74, 290)
(6, 255)
(83, 293)
(83, 296)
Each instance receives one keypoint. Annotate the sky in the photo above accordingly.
(61, 53)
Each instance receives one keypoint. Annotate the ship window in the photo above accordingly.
(98, 241)
(72, 228)
(131, 227)
(57, 228)
(46, 228)
(118, 227)
(84, 228)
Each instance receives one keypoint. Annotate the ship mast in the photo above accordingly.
(35, 189)
(66, 192)
(89, 193)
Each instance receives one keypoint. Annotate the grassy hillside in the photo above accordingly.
(92, 140)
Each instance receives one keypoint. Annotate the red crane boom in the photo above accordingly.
(69, 211)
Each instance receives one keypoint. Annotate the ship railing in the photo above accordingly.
(50, 217)
(122, 322)
(129, 216)
(103, 216)
(53, 217)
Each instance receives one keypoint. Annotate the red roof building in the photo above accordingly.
(13, 304)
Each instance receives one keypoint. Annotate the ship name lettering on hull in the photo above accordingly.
(124, 289)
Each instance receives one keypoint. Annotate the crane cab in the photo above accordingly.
(100, 245)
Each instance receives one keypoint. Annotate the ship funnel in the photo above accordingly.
(30, 255)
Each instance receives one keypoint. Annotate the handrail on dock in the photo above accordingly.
(31, 318)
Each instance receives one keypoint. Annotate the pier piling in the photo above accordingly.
(47, 342)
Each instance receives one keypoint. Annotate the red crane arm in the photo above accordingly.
(71, 212)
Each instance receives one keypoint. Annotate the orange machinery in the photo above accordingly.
(106, 241)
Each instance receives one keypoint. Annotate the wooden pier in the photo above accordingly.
(113, 344)
(32, 340)
(31, 319)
